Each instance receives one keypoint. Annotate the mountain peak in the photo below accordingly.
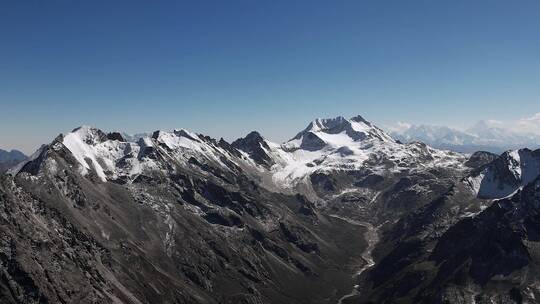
(336, 132)
(256, 146)
(509, 172)
(80, 142)
(86, 134)
(254, 135)
(321, 124)
(252, 140)
(186, 133)
(359, 118)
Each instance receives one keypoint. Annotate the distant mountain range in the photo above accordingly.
(9, 159)
(480, 137)
(341, 213)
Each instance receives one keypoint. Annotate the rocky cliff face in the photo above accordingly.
(178, 217)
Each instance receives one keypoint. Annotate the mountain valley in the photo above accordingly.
(341, 213)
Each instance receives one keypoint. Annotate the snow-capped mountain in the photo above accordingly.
(481, 136)
(325, 145)
(490, 134)
(340, 144)
(110, 157)
(510, 172)
(179, 217)
(337, 132)
(439, 135)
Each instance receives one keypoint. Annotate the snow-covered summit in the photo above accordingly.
(93, 150)
(349, 144)
(336, 132)
(511, 171)
(111, 157)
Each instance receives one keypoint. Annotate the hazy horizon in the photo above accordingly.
(526, 125)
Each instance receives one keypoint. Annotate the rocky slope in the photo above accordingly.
(178, 217)
(171, 219)
(462, 247)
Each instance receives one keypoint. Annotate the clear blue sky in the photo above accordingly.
(226, 67)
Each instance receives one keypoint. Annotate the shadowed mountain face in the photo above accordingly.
(10, 159)
(178, 217)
